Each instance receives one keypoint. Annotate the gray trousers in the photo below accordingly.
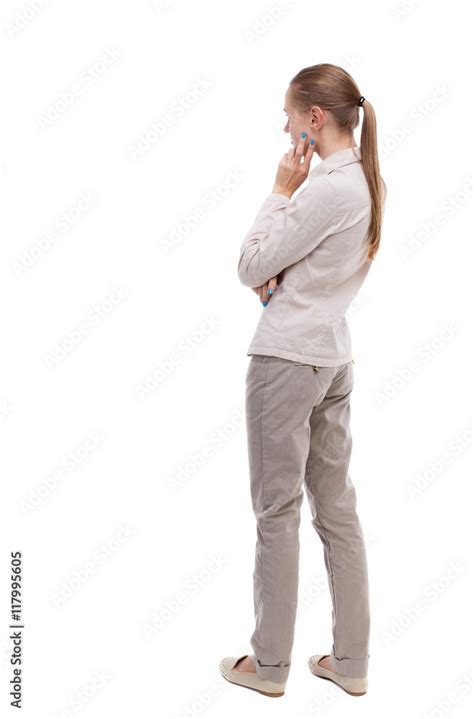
(298, 435)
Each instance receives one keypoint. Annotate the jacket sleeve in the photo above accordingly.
(285, 231)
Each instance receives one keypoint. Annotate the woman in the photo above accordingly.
(307, 259)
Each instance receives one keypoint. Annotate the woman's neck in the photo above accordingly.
(330, 145)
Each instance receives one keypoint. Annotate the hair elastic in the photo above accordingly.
(361, 100)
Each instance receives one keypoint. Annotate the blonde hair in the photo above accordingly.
(333, 89)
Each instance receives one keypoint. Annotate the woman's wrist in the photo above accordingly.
(282, 191)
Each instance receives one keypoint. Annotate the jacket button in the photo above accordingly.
(316, 369)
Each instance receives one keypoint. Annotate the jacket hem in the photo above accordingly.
(297, 357)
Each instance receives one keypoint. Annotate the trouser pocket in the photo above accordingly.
(304, 364)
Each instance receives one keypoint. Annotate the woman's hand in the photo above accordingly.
(263, 291)
(292, 172)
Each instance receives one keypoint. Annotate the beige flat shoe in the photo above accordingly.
(352, 685)
(249, 679)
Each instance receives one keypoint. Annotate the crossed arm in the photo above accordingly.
(284, 231)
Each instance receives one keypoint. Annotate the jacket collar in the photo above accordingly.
(337, 159)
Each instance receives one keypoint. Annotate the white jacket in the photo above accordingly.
(316, 241)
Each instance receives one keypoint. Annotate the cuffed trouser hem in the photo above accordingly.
(349, 667)
(273, 673)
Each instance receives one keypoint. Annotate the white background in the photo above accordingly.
(138, 140)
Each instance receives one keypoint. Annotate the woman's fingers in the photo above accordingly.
(300, 148)
(308, 155)
(266, 291)
(272, 285)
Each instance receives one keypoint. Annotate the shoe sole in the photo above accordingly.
(260, 691)
(353, 694)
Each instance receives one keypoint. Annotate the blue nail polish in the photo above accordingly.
(265, 303)
(270, 291)
(311, 142)
(303, 135)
